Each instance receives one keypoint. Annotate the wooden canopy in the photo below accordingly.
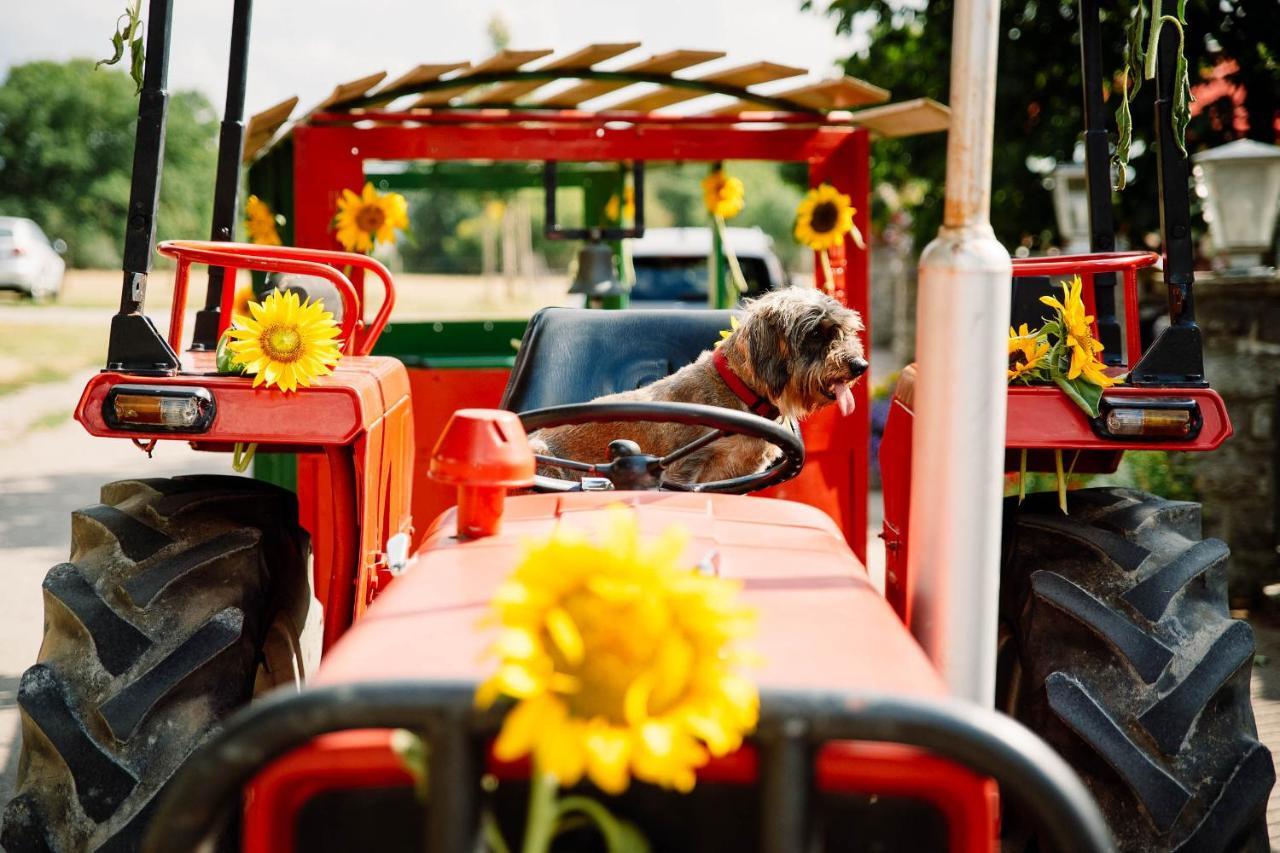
(523, 82)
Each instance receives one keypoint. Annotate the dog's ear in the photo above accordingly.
(766, 358)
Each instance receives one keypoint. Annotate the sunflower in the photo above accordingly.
(1027, 353)
(1078, 332)
(260, 222)
(365, 220)
(285, 342)
(621, 208)
(824, 216)
(725, 333)
(623, 661)
(723, 194)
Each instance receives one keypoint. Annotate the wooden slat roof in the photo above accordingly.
(581, 60)
(908, 118)
(662, 63)
(512, 78)
(505, 60)
(740, 77)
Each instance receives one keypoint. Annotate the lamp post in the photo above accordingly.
(1240, 185)
(1071, 206)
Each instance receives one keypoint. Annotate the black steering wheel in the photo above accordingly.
(630, 469)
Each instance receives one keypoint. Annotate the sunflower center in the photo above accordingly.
(370, 218)
(824, 217)
(631, 642)
(281, 343)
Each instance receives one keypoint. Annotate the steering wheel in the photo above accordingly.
(630, 469)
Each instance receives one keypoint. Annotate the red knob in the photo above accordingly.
(483, 452)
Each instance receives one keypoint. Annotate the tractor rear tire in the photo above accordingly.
(152, 636)
(1124, 657)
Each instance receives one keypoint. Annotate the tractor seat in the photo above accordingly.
(573, 355)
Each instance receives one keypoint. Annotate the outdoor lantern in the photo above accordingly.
(596, 280)
(1240, 185)
(1071, 205)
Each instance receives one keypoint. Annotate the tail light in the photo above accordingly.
(150, 408)
(1154, 418)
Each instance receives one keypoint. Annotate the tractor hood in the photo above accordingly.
(822, 626)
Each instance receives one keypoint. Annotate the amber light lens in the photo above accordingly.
(174, 409)
(1153, 423)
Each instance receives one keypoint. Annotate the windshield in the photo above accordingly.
(685, 279)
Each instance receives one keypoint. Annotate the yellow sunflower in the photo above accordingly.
(1078, 332)
(624, 661)
(285, 342)
(370, 218)
(724, 195)
(725, 333)
(1027, 352)
(260, 222)
(621, 208)
(824, 216)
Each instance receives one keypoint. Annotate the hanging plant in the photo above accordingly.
(128, 31)
(1142, 40)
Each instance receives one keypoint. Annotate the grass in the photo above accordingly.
(32, 353)
(50, 421)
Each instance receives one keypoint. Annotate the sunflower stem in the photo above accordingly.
(735, 269)
(242, 457)
(540, 823)
(828, 277)
(1022, 477)
(1062, 481)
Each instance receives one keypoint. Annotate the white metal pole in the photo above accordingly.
(962, 322)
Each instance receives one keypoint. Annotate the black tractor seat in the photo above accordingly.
(573, 355)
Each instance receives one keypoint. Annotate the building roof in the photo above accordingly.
(601, 79)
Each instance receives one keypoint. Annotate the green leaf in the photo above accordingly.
(138, 54)
(620, 836)
(1181, 95)
(223, 357)
(1083, 393)
(412, 752)
(117, 50)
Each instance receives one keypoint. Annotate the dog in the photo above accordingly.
(796, 351)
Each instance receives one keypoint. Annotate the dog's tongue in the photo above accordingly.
(844, 398)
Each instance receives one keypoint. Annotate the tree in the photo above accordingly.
(1038, 97)
(66, 157)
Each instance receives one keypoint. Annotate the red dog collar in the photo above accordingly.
(755, 403)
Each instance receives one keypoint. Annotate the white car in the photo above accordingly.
(672, 271)
(29, 263)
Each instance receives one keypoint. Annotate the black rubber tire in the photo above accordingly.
(152, 635)
(1125, 658)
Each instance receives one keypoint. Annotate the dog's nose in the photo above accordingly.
(857, 367)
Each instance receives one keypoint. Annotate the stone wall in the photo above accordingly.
(1237, 483)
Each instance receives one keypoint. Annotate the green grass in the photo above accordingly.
(33, 353)
(50, 421)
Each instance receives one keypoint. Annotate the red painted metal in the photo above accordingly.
(1043, 418)
(364, 758)
(529, 119)
(285, 259)
(1126, 264)
(483, 452)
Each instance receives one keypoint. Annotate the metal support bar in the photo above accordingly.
(958, 443)
(227, 182)
(1177, 356)
(1097, 164)
(135, 344)
(453, 781)
(786, 775)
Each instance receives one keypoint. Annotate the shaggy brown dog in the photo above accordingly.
(797, 347)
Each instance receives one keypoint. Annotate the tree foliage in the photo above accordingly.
(1038, 97)
(66, 157)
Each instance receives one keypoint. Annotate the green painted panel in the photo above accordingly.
(278, 468)
(453, 343)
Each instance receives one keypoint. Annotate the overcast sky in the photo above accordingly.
(304, 47)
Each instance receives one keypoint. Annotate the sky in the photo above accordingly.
(305, 47)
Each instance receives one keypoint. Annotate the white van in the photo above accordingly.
(671, 265)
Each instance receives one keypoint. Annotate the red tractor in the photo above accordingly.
(1105, 632)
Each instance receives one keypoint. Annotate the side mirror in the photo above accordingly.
(60, 246)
